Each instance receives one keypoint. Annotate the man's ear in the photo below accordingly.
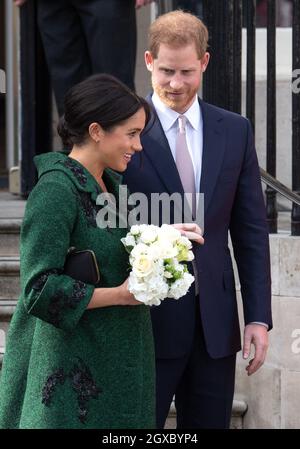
(95, 131)
(149, 60)
(204, 61)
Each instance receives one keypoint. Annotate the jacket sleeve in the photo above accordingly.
(48, 294)
(250, 239)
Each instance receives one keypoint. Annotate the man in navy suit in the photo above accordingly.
(197, 337)
(83, 37)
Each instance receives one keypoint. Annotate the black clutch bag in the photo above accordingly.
(82, 266)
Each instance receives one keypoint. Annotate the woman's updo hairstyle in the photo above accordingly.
(99, 98)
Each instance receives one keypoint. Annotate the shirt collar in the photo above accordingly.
(168, 116)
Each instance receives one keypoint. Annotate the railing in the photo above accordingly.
(274, 184)
(222, 85)
(296, 120)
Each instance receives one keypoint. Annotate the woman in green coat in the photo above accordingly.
(79, 355)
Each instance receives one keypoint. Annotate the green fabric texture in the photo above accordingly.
(66, 366)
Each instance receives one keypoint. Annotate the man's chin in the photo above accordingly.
(171, 103)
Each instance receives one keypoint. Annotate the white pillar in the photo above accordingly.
(11, 76)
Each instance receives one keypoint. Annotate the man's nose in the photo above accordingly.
(176, 82)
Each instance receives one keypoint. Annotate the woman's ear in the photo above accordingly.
(95, 132)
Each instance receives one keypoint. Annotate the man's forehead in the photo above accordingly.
(175, 47)
(175, 64)
(172, 54)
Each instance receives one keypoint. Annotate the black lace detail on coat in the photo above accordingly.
(77, 170)
(56, 306)
(85, 388)
(90, 208)
(82, 383)
(42, 279)
(58, 377)
(60, 301)
(79, 292)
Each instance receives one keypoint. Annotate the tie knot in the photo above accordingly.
(182, 123)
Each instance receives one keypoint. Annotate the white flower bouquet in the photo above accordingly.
(156, 257)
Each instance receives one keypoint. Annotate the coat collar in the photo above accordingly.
(157, 149)
(80, 176)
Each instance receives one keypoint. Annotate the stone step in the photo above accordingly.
(7, 308)
(9, 277)
(239, 408)
(284, 221)
(10, 236)
(11, 206)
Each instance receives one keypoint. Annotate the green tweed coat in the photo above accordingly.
(65, 366)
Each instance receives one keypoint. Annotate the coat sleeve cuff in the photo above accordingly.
(61, 302)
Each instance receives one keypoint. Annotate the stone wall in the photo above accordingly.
(273, 393)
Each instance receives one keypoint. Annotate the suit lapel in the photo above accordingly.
(213, 150)
(156, 147)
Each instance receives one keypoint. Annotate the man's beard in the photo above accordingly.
(184, 101)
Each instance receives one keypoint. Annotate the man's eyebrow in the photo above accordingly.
(188, 69)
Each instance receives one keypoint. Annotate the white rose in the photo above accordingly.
(155, 250)
(149, 235)
(129, 240)
(164, 249)
(168, 232)
(135, 230)
(143, 265)
(138, 250)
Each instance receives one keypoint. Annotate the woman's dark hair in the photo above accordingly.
(99, 98)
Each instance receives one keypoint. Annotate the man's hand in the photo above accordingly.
(190, 230)
(255, 334)
(139, 3)
(19, 2)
